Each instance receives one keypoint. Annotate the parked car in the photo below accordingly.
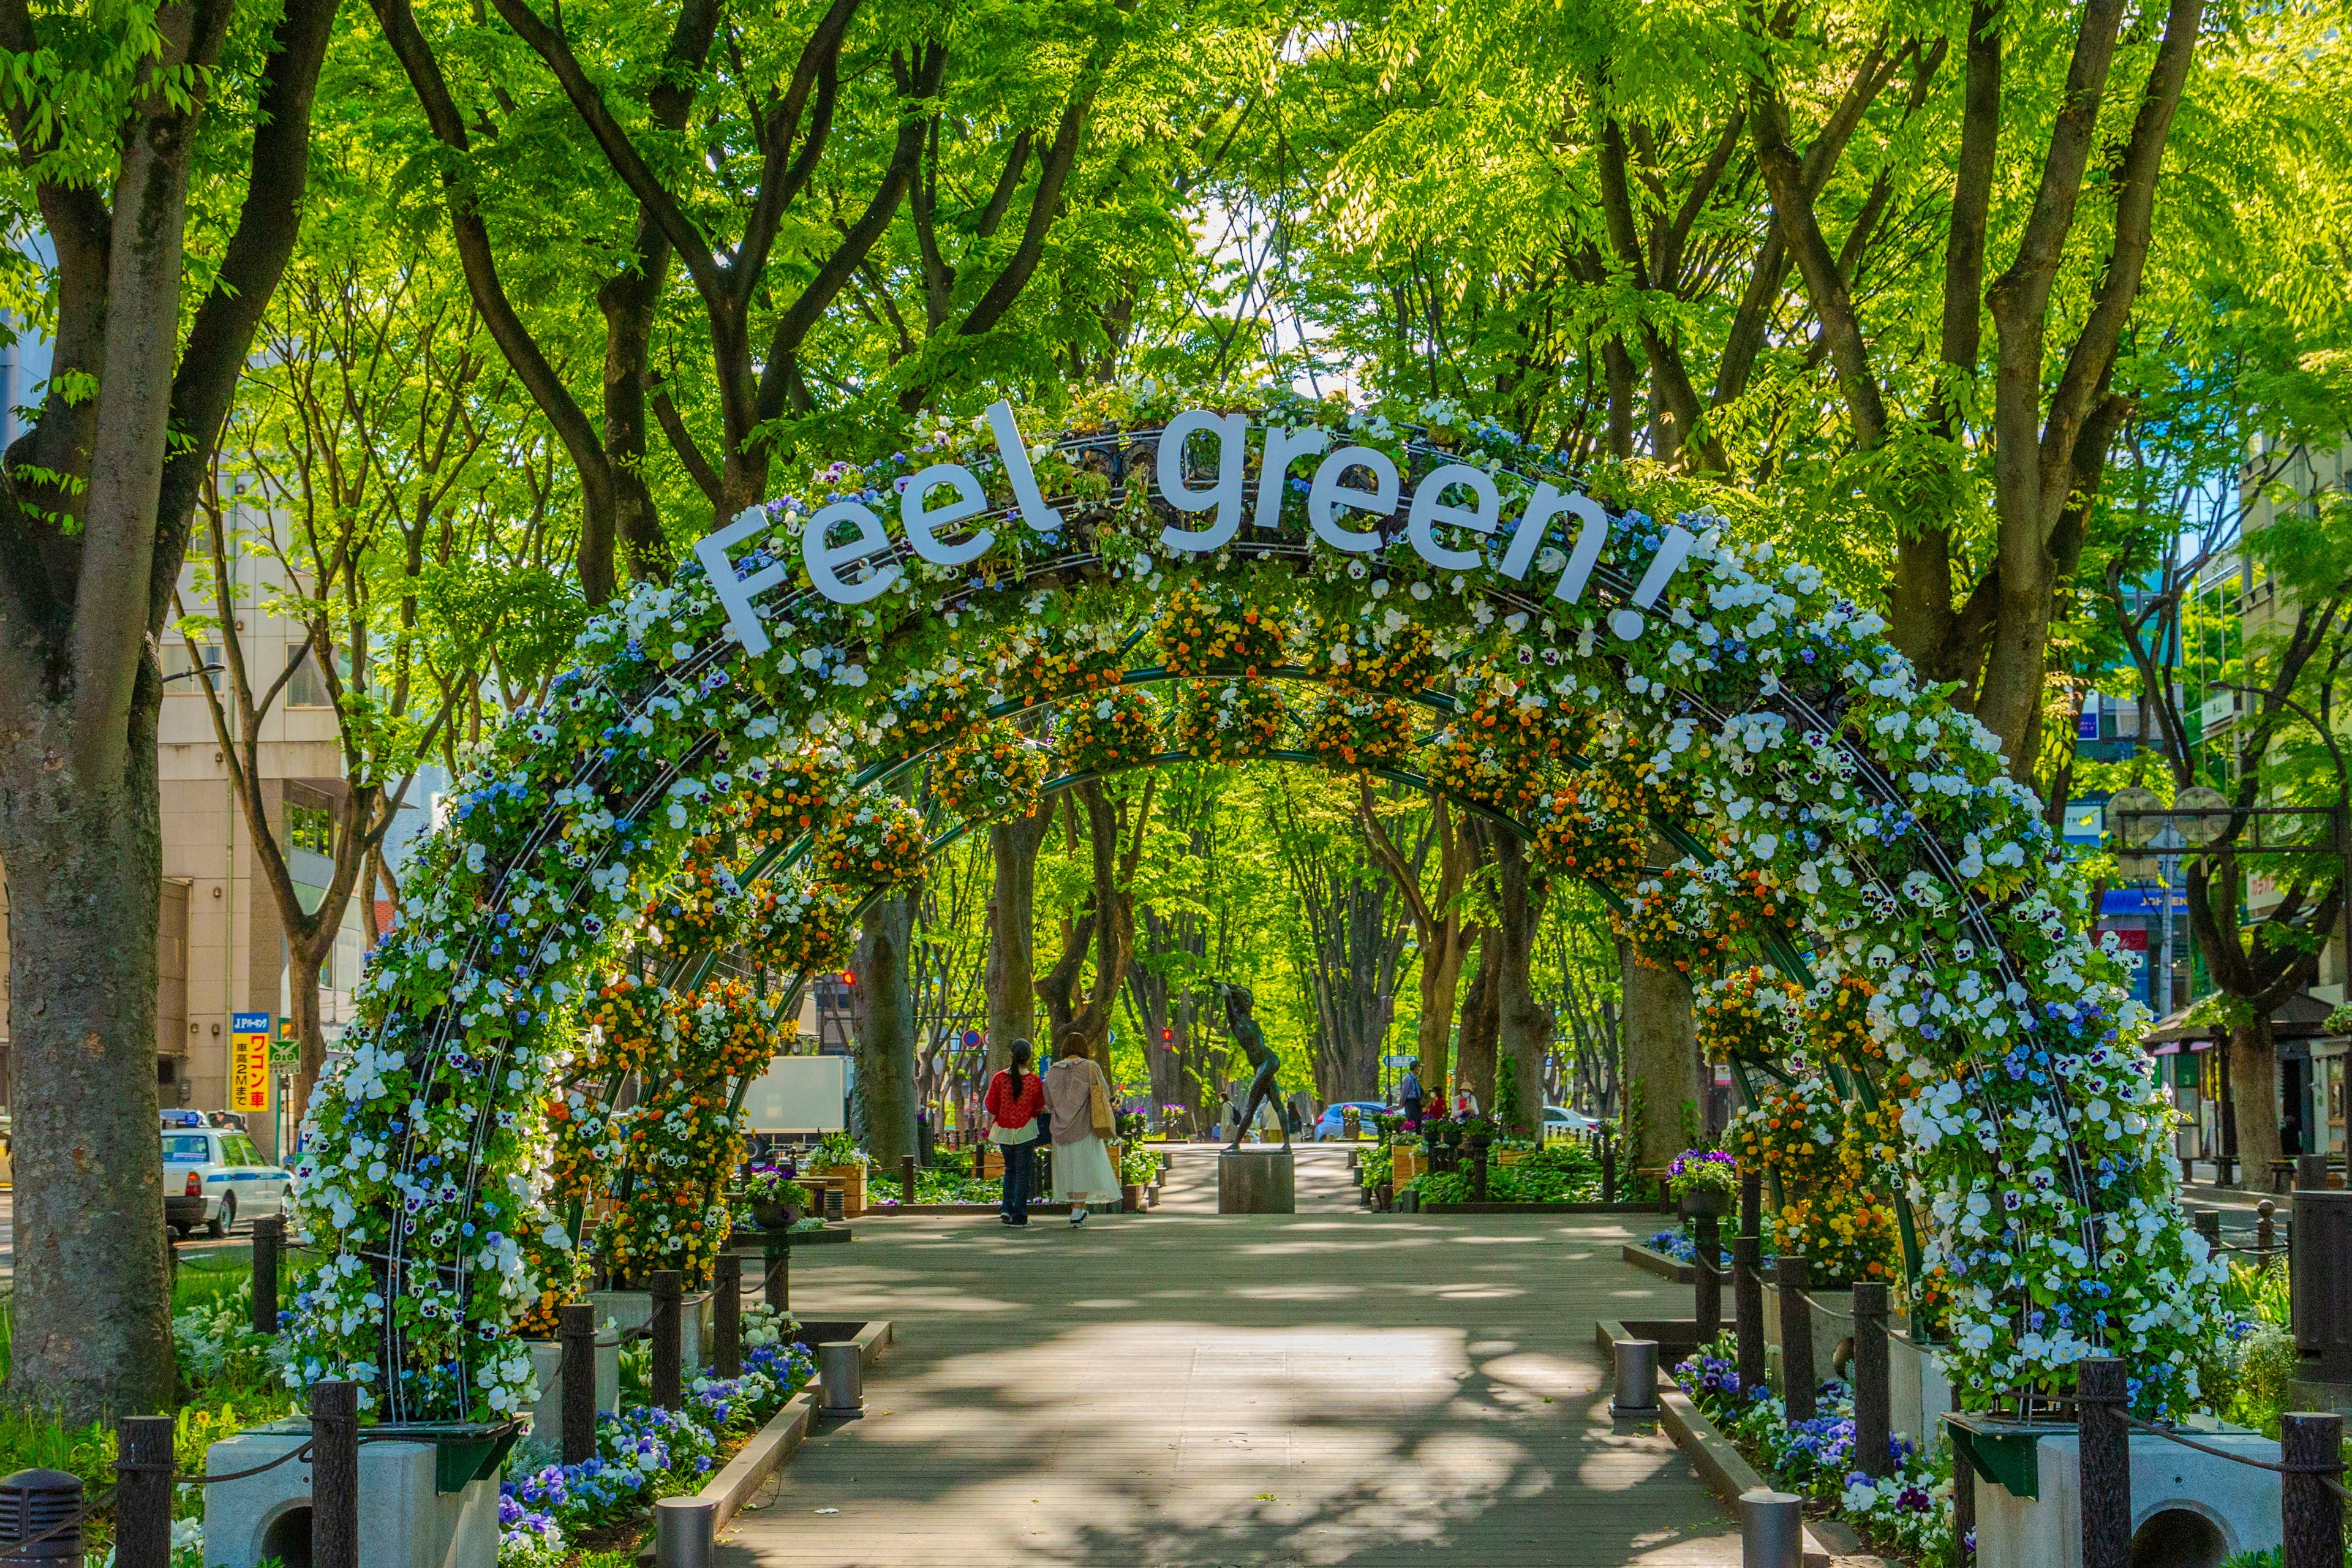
(226, 1172)
(1559, 1122)
(1333, 1124)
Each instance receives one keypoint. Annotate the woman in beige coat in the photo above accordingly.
(1082, 1170)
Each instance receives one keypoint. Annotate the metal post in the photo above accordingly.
(334, 1475)
(727, 1314)
(2209, 1226)
(907, 1178)
(1707, 1281)
(266, 1233)
(666, 1325)
(2106, 1448)
(143, 1491)
(1771, 1529)
(777, 1285)
(2312, 1449)
(683, 1529)
(1608, 1170)
(1751, 1205)
(1477, 1170)
(1637, 1377)
(576, 1322)
(1795, 1341)
(841, 1376)
(2265, 1230)
(1747, 1308)
(1873, 1418)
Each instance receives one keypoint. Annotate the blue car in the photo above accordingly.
(1329, 1125)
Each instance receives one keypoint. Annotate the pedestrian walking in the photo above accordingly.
(1410, 1093)
(1078, 1099)
(1015, 1096)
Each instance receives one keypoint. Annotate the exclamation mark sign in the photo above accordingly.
(1628, 624)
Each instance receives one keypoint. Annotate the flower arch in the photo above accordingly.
(1832, 811)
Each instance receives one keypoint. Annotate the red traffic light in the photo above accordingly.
(1167, 1034)
(848, 978)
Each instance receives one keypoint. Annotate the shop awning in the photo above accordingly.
(2301, 1017)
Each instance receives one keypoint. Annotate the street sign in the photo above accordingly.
(285, 1048)
(970, 1038)
(248, 1061)
(1398, 1061)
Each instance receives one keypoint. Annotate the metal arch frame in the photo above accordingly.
(436, 1035)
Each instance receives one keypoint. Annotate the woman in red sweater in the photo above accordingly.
(1015, 1096)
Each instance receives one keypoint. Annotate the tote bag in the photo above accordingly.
(1099, 1107)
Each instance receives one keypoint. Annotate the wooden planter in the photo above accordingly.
(1130, 1198)
(853, 1186)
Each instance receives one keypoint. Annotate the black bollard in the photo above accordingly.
(727, 1314)
(334, 1475)
(1706, 1280)
(2312, 1449)
(577, 1326)
(1751, 1205)
(1797, 1390)
(666, 1325)
(1608, 1171)
(2265, 1230)
(1747, 1308)
(266, 1231)
(777, 1284)
(1873, 1415)
(2105, 1445)
(143, 1491)
(907, 1178)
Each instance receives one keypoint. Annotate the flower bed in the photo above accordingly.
(1909, 1511)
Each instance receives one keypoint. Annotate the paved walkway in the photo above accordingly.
(1174, 1392)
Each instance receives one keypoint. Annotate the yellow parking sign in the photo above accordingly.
(248, 1061)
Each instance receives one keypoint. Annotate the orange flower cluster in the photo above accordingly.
(1205, 631)
(1839, 1025)
(1844, 1238)
(629, 1022)
(1676, 919)
(796, 930)
(1592, 823)
(1378, 660)
(798, 791)
(1225, 720)
(878, 844)
(1354, 731)
(1114, 730)
(1060, 661)
(939, 710)
(993, 774)
(1751, 1013)
(697, 914)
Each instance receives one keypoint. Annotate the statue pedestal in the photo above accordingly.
(1256, 1181)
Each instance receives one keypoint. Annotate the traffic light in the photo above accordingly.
(849, 977)
(1167, 1035)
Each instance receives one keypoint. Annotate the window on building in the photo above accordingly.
(309, 688)
(180, 667)
(310, 828)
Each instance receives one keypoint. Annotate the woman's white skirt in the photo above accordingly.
(1082, 1172)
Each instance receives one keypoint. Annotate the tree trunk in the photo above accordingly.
(1525, 1025)
(1011, 975)
(2253, 1097)
(1661, 1072)
(1481, 1022)
(885, 1050)
(84, 858)
(302, 1006)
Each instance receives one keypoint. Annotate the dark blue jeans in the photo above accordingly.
(1020, 1167)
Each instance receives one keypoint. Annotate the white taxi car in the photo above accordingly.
(222, 1166)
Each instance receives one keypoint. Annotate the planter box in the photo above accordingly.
(547, 1363)
(1651, 1260)
(629, 1310)
(405, 1519)
(852, 1180)
(2212, 1507)
(1918, 1394)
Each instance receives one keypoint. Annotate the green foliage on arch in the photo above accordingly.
(1841, 811)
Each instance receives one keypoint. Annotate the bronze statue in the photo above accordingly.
(1251, 1040)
